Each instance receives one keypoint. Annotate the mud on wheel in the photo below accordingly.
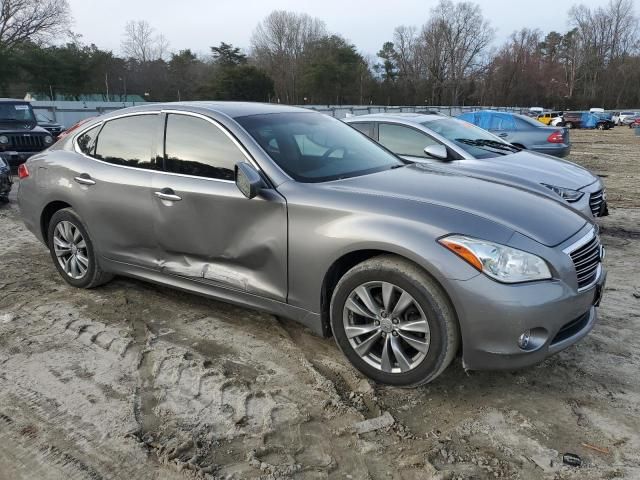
(394, 322)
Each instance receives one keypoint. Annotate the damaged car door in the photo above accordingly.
(206, 229)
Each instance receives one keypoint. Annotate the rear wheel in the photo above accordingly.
(394, 322)
(72, 251)
(569, 125)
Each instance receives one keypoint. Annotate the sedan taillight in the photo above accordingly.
(556, 137)
(23, 171)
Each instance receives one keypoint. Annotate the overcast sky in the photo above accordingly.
(199, 24)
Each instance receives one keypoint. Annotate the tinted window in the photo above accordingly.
(404, 140)
(364, 127)
(87, 141)
(312, 147)
(194, 146)
(128, 141)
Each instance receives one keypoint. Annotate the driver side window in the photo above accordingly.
(403, 140)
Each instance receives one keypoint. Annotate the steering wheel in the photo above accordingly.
(331, 150)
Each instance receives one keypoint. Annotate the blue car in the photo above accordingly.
(522, 131)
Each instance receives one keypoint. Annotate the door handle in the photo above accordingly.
(171, 197)
(84, 179)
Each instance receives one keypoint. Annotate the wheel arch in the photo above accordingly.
(349, 260)
(47, 213)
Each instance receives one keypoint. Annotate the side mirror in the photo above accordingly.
(248, 180)
(439, 152)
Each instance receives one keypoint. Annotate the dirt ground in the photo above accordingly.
(136, 381)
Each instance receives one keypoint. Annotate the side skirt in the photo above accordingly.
(309, 319)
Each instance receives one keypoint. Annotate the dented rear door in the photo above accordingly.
(205, 228)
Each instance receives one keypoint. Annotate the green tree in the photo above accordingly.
(226, 55)
(241, 82)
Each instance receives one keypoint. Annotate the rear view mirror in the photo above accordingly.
(439, 152)
(248, 180)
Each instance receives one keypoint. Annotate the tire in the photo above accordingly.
(4, 199)
(569, 125)
(68, 237)
(601, 126)
(428, 319)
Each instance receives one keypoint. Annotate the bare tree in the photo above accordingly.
(34, 20)
(465, 35)
(141, 42)
(278, 44)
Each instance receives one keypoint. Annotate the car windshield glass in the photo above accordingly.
(474, 140)
(312, 147)
(16, 112)
(43, 118)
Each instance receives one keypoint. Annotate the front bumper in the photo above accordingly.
(494, 315)
(15, 159)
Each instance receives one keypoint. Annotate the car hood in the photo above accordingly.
(533, 167)
(539, 217)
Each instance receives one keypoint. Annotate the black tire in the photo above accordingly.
(442, 322)
(569, 125)
(94, 275)
(4, 199)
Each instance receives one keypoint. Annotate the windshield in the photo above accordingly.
(16, 112)
(43, 118)
(312, 147)
(474, 140)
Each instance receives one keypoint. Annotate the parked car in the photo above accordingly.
(5, 181)
(586, 120)
(20, 135)
(294, 212)
(548, 117)
(75, 126)
(51, 126)
(468, 149)
(626, 118)
(522, 131)
(634, 122)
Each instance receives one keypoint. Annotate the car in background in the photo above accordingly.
(634, 122)
(51, 126)
(5, 181)
(75, 126)
(548, 117)
(457, 146)
(626, 118)
(293, 212)
(587, 120)
(20, 135)
(522, 131)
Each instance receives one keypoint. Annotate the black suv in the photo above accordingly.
(20, 135)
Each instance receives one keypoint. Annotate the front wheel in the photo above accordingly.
(569, 125)
(394, 322)
(72, 251)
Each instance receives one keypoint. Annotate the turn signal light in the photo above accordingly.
(463, 252)
(23, 171)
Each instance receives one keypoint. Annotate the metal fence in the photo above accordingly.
(68, 113)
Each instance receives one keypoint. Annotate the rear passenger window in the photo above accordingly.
(128, 141)
(194, 146)
(364, 127)
(87, 141)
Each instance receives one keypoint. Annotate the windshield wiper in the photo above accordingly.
(488, 143)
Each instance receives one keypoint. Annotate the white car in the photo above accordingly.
(625, 117)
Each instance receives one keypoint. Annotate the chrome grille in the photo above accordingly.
(26, 142)
(595, 202)
(587, 258)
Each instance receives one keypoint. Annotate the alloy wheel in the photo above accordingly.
(70, 248)
(386, 327)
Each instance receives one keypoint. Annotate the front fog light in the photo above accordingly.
(525, 338)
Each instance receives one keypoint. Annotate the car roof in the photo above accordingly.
(400, 117)
(229, 109)
(13, 100)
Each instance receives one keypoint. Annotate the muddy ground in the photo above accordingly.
(136, 381)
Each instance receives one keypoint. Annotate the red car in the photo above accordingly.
(635, 123)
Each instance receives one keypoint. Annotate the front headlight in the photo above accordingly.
(499, 262)
(48, 139)
(566, 193)
(4, 139)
